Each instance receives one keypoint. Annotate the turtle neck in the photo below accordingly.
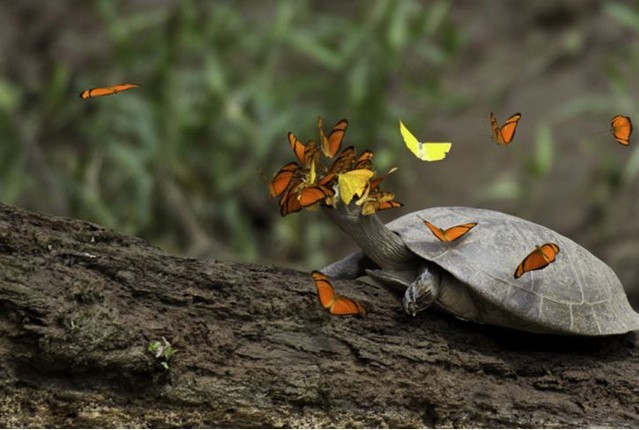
(378, 242)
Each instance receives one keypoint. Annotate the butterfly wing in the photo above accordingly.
(508, 129)
(353, 183)
(364, 161)
(621, 129)
(325, 291)
(289, 203)
(329, 299)
(494, 128)
(311, 195)
(437, 232)
(344, 161)
(428, 151)
(389, 205)
(332, 143)
(326, 179)
(282, 179)
(550, 250)
(311, 154)
(376, 181)
(541, 257)
(455, 232)
(410, 141)
(106, 91)
(379, 201)
(434, 151)
(345, 306)
(296, 146)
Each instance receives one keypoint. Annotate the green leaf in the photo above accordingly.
(154, 346)
(623, 14)
(544, 151)
(505, 188)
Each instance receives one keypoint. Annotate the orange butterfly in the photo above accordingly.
(307, 154)
(390, 204)
(365, 160)
(541, 257)
(621, 128)
(301, 194)
(329, 299)
(377, 201)
(324, 180)
(106, 91)
(504, 135)
(450, 234)
(282, 179)
(289, 204)
(332, 143)
(311, 195)
(344, 161)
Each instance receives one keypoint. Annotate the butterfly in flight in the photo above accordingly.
(621, 128)
(504, 135)
(106, 91)
(427, 151)
(541, 257)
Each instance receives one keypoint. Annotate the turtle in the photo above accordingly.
(472, 277)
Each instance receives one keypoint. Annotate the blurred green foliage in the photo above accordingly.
(177, 161)
(612, 177)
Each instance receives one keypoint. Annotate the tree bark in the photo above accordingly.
(80, 304)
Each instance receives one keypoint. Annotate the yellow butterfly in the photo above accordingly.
(353, 183)
(427, 151)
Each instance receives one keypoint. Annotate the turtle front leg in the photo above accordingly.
(423, 291)
(350, 267)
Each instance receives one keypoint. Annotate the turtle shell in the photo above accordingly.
(577, 294)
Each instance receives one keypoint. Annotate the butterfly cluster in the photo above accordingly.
(327, 175)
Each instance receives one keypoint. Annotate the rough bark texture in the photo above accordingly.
(79, 304)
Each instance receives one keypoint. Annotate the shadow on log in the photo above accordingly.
(80, 304)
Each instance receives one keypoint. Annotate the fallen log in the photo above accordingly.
(80, 305)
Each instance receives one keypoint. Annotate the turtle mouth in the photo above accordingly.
(410, 308)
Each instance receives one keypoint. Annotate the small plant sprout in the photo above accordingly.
(162, 351)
